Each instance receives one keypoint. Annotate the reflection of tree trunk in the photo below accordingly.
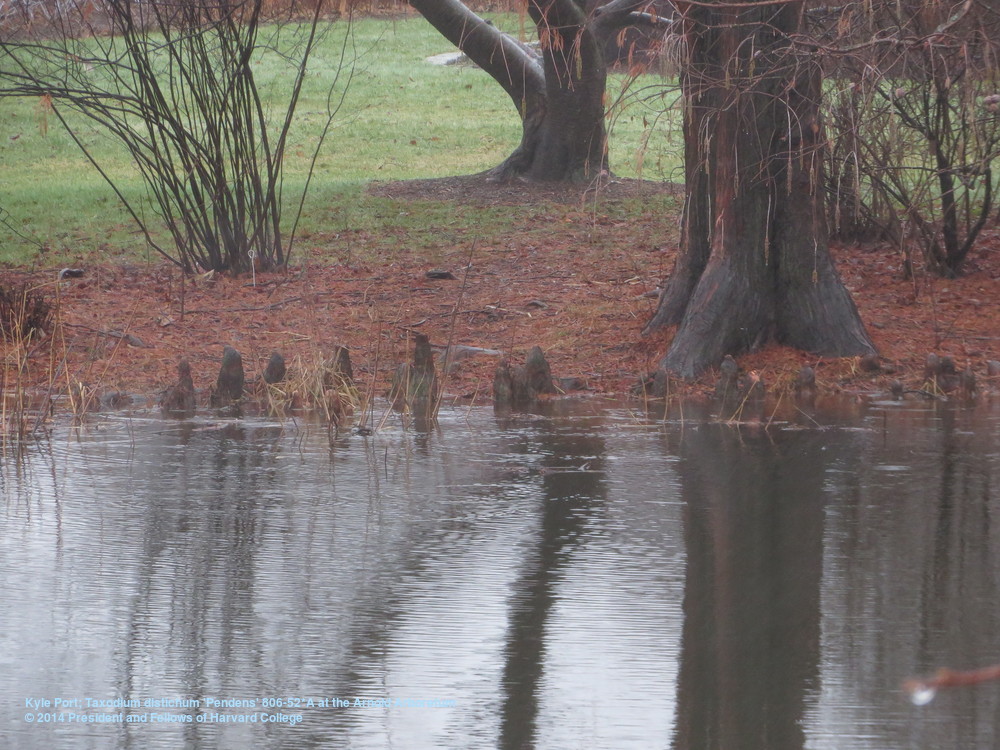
(939, 568)
(959, 561)
(524, 654)
(567, 501)
(750, 644)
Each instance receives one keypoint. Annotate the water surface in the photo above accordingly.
(585, 578)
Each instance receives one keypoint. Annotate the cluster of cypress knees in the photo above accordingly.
(415, 386)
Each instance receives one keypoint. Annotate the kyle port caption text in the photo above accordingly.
(286, 711)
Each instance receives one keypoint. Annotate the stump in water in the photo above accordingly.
(503, 384)
(727, 387)
(734, 390)
(752, 387)
(538, 373)
(337, 371)
(967, 383)
(941, 374)
(339, 392)
(276, 370)
(415, 387)
(896, 389)
(805, 384)
(229, 385)
(179, 399)
(521, 386)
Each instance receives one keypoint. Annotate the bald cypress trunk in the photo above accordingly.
(559, 96)
(755, 265)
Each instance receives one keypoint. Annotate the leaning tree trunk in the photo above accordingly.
(569, 141)
(559, 97)
(755, 265)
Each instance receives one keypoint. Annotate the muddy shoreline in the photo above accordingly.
(577, 285)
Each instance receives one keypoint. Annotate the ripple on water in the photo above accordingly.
(535, 570)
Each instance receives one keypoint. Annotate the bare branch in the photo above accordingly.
(500, 55)
(609, 18)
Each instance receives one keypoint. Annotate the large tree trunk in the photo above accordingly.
(755, 265)
(560, 98)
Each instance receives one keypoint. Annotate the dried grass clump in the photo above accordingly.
(325, 387)
(25, 313)
(27, 316)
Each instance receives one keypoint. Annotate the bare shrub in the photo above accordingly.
(174, 81)
(913, 117)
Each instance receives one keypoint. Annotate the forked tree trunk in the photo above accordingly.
(564, 137)
(755, 265)
(560, 98)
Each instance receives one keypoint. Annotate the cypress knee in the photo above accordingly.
(276, 370)
(179, 399)
(229, 385)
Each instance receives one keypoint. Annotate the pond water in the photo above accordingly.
(583, 578)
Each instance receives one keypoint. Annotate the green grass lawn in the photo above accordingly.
(401, 118)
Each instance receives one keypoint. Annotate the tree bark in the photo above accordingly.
(560, 98)
(755, 265)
